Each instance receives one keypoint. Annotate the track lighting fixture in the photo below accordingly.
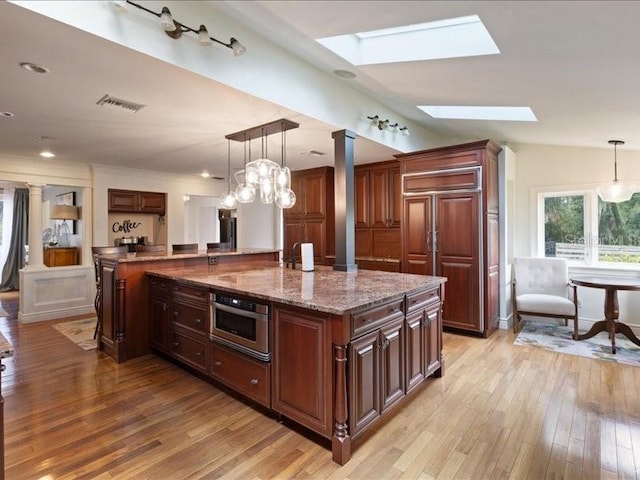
(386, 125)
(175, 30)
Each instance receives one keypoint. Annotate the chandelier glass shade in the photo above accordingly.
(615, 191)
(263, 178)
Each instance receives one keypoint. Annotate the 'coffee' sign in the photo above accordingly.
(126, 226)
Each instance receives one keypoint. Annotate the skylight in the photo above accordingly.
(451, 38)
(514, 114)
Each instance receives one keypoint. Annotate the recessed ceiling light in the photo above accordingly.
(32, 67)
(205, 174)
(6, 114)
(47, 154)
(457, 112)
(449, 38)
(344, 74)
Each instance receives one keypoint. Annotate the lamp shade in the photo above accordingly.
(64, 212)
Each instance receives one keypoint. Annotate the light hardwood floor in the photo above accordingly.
(500, 411)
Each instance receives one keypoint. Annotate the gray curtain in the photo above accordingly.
(19, 238)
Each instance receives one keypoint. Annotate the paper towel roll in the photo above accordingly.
(306, 251)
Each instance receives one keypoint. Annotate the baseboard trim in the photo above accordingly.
(56, 314)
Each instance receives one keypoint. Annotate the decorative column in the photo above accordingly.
(86, 221)
(36, 257)
(344, 201)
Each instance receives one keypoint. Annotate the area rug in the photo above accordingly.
(557, 338)
(79, 332)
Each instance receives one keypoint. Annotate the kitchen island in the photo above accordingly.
(344, 347)
(123, 306)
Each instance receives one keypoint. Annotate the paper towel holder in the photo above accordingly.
(306, 254)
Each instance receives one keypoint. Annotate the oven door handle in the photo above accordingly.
(239, 311)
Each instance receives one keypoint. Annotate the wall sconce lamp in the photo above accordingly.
(386, 125)
(175, 30)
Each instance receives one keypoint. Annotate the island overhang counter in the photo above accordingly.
(344, 347)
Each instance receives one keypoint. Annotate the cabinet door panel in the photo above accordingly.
(380, 198)
(151, 202)
(415, 350)
(457, 258)
(123, 201)
(315, 232)
(364, 361)
(462, 280)
(160, 322)
(417, 244)
(302, 363)
(395, 196)
(313, 194)
(361, 203)
(392, 363)
(433, 340)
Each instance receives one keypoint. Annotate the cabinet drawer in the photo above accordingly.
(158, 285)
(247, 376)
(419, 300)
(195, 293)
(195, 318)
(371, 318)
(189, 350)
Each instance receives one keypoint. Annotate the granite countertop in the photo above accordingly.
(6, 349)
(324, 289)
(145, 257)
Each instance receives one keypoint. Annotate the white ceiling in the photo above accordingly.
(576, 64)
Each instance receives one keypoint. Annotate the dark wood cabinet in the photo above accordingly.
(131, 201)
(312, 218)
(378, 214)
(377, 363)
(159, 306)
(60, 256)
(450, 218)
(302, 367)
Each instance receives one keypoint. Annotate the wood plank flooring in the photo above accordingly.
(500, 411)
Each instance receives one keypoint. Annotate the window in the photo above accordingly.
(582, 228)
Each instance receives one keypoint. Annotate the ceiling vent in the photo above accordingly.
(119, 103)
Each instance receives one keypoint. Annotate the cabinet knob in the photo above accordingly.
(176, 344)
(175, 313)
(198, 321)
(199, 354)
(217, 363)
(367, 320)
(165, 307)
(254, 381)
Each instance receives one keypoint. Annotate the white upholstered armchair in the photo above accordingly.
(541, 287)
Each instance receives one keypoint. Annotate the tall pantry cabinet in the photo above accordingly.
(450, 228)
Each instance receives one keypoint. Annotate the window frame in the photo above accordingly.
(591, 228)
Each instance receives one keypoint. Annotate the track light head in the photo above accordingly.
(374, 120)
(237, 47)
(175, 29)
(166, 20)
(203, 36)
(383, 124)
(404, 131)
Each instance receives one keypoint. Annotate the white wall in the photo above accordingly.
(546, 166)
(507, 194)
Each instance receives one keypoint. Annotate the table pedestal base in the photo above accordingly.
(610, 325)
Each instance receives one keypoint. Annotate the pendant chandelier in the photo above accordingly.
(270, 180)
(615, 191)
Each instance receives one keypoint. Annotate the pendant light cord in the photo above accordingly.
(615, 162)
(228, 165)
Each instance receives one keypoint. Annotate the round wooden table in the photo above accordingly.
(611, 285)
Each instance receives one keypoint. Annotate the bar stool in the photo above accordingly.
(218, 246)
(184, 247)
(97, 302)
(151, 249)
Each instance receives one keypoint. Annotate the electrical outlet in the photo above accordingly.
(213, 260)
